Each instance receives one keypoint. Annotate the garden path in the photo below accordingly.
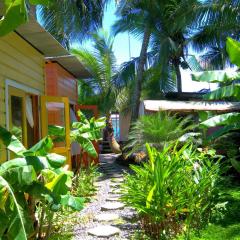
(106, 217)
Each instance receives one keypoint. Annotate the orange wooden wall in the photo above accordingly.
(60, 83)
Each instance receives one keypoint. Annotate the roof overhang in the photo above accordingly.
(188, 106)
(52, 50)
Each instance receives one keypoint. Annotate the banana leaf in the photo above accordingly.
(42, 148)
(56, 160)
(19, 232)
(221, 120)
(233, 50)
(76, 203)
(231, 91)
(11, 142)
(38, 163)
(220, 132)
(235, 164)
(217, 76)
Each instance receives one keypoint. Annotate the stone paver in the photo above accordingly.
(107, 212)
(104, 231)
(106, 217)
(112, 206)
(112, 199)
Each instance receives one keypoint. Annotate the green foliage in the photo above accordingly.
(84, 182)
(229, 90)
(158, 129)
(15, 14)
(233, 50)
(83, 132)
(174, 191)
(37, 173)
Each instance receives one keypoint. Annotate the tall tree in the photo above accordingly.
(161, 25)
(72, 20)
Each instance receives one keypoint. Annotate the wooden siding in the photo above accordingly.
(22, 63)
(60, 82)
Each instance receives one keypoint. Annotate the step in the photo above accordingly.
(104, 231)
(112, 206)
(106, 217)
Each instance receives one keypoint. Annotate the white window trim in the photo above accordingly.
(12, 83)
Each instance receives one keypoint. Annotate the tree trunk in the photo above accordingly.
(115, 147)
(176, 63)
(140, 72)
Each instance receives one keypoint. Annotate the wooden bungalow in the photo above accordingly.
(34, 66)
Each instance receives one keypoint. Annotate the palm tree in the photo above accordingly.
(221, 21)
(153, 21)
(72, 20)
(104, 85)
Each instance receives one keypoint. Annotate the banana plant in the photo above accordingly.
(83, 132)
(35, 172)
(228, 90)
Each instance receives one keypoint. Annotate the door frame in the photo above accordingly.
(59, 150)
(12, 83)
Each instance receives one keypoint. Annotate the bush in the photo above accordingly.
(174, 191)
(157, 130)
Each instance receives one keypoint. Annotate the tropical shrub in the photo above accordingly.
(34, 177)
(83, 132)
(174, 191)
(157, 130)
(227, 135)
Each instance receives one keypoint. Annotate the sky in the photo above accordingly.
(122, 53)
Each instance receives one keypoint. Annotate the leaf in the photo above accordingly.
(217, 76)
(233, 50)
(87, 145)
(56, 160)
(58, 185)
(11, 142)
(14, 15)
(38, 163)
(218, 133)
(21, 233)
(42, 148)
(150, 196)
(39, 2)
(75, 203)
(231, 91)
(236, 164)
(221, 120)
(20, 177)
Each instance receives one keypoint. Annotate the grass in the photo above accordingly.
(226, 225)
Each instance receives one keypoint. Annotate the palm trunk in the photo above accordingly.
(115, 147)
(140, 72)
(176, 63)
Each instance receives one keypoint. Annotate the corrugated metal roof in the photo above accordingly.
(188, 106)
(44, 42)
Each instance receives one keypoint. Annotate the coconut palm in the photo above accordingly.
(104, 85)
(72, 20)
(221, 20)
(163, 26)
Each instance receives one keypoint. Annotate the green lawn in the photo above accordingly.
(227, 228)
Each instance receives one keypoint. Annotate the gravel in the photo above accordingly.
(127, 223)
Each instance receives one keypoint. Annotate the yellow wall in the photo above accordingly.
(19, 62)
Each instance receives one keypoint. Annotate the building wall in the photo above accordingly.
(60, 82)
(22, 63)
(124, 124)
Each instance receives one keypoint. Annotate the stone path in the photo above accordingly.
(106, 217)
